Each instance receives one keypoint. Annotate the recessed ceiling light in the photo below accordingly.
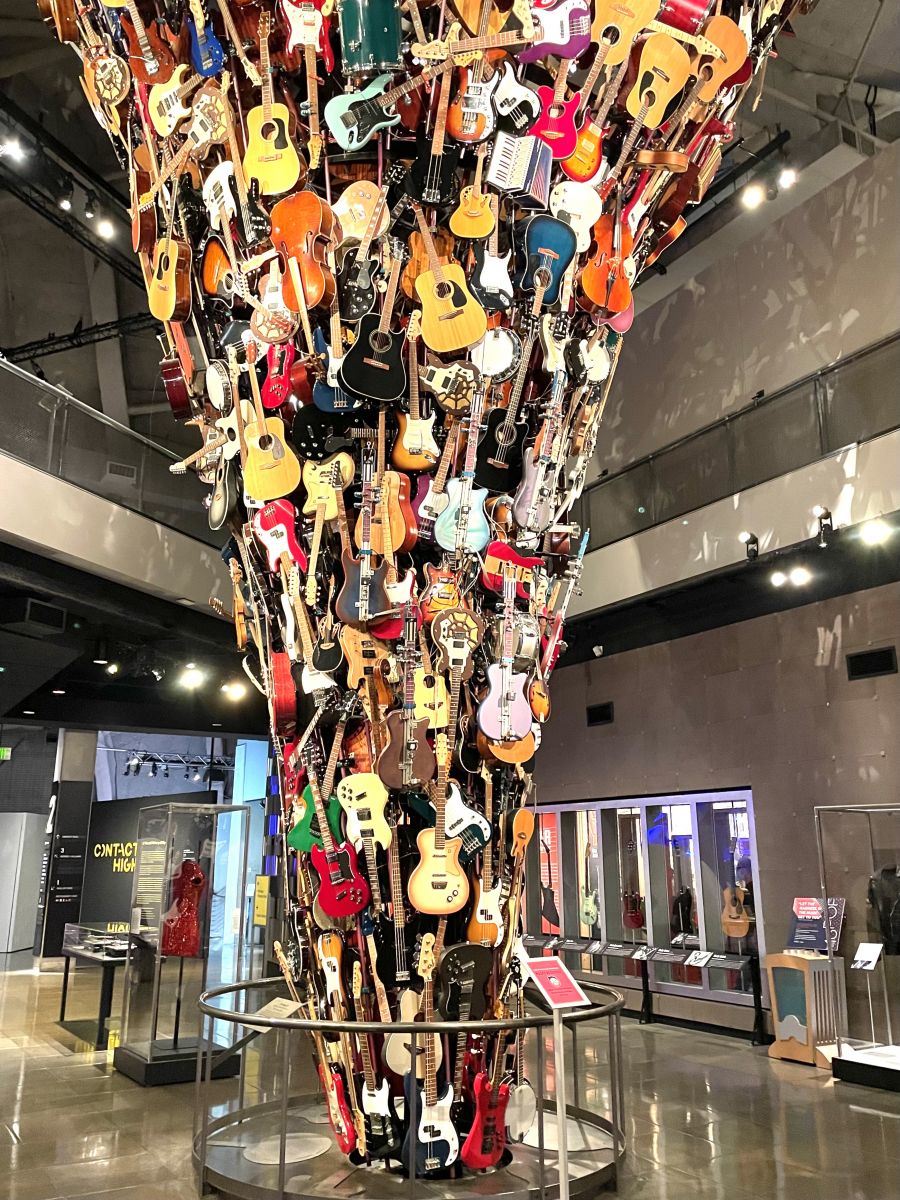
(787, 177)
(191, 677)
(753, 195)
(27, 712)
(59, 691)
(875, 532)
(778, 579)
(800, 576)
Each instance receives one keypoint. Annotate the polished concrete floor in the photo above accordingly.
(707, 1116)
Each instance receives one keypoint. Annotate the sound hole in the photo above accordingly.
(380, 342)
(443, 290)
(542, 277)
(269, 131)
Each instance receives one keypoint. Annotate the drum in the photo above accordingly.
(526, 640)
(687, 15)
(370, 36)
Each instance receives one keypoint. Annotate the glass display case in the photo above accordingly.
(672, 877)
(187, 933)
(92, 947)
(89, 941)
(859, 858)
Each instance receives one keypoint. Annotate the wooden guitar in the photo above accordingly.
(735, 917)
(271, 159)
(271, 469)
(452, 318)
(151, 60)
(474, 218)
(415, 448)
(486, 925)
(407, 760)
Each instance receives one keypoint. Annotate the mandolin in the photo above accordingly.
(271, 469)
(271, 159)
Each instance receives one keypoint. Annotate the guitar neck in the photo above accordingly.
(487, 864)
(390, 296)
(368, 236)
(140, 30)
(440, 475)
(434, 263)
(411, 85)
(321, 817)
(343, 527)
(398, 907)
(331, 766)
(440, 125)
(266, 66)
(415, 408)
(312, 91)
(430, 1057)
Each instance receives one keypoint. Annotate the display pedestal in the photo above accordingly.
(95, 1031)
(803, 1012)
(164, 1063)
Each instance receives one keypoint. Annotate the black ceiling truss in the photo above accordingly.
(57, 343)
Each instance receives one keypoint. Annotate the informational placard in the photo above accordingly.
(280, 1009)
(644, 953)
(729, 962)
(618, 950)
(672, 957)
(866, 956)
(556, 983)
(698, 958)
(807, 928)
(261, 900)
(594, 947)
(577, 944)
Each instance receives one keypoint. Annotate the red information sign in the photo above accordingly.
(555, 982)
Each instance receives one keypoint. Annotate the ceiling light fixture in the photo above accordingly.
(751, 542)
(192, 677)
(875, 532)
(787, 177)
(59, 691)
(27, 712)
(778, 579)
(90, 205)
(753, 195)
(826, 525)
(112, 669)
(165, 770)
(235, 690)
(101, 652)
(106, 229)
(66, 191)
(800, 576)
(154, 769)
(13, 148)
(196, 776)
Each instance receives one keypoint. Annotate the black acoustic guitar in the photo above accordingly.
(374, 367)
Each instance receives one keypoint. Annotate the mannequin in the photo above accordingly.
(181, 924)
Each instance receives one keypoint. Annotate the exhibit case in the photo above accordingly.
(655, 893)
(187, 933)
(859, 858)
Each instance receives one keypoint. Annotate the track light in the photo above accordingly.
(753, 196)
(751, 541)
(66, 191)
(196, 776)
(234, 690)
(787, 177)
(875, 532)
(90, 205)
(127, 770)
(826, 525)
(800, 576)
(112, 669)
(165, 770)
(778, 579)
(154, 769)
(192, 677)
(13, 148)
(101, 653)
(187, 771)
(106, 229)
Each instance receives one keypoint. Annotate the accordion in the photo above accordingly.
(521, 166)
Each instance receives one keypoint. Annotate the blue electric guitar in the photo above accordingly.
(463, 524)
(207, 53)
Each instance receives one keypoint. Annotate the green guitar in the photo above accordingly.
(590, 909)
(305, 832)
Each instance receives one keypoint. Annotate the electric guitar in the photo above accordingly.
(549, 911)
(463, 524)
(504, 713)
(463, 975)
(354, 118)
(343, 891)
(207, 54)
(306, 831)
(434, 1144)
(486, 1141)
(415, 448)
(363, 798)
(490, 282)
(521, 1108)
(275, 527)
(486, 926)
(407, 760)
(363, 595)
(150, 59)
(438, 884)
(381, 1125)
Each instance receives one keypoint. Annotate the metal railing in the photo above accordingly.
(844, 403)
(48, 428)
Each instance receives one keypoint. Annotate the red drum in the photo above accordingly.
(687, 15)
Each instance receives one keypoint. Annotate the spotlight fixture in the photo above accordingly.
(101, 653)
(826, 525)
(90, 205)
(753, 196)
(787, 177)
(778, 579)
(13, 148)
(751, 541)
(187, 771)
(106, 229)
(154, 769)
(235, 690)
(192, 677)
(597, 651)
(165, 770)
(196, 776)
(66, 191)
(875, 532)
(112, 669)
(127, 770)
(800, 576)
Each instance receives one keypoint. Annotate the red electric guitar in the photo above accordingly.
(487, 1138)
(275, 526)
(343, 892)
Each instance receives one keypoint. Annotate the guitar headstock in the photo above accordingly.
(414, 326)
(356, 981)
(426, 964)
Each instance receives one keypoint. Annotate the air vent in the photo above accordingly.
(23, 614)
(869, 663)
(117, 472)
(601, 714)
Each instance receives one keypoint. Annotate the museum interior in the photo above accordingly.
(449, 599)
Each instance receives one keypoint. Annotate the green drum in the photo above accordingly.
(370, 36)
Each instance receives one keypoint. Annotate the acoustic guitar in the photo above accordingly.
(271, 159)
(271, 469)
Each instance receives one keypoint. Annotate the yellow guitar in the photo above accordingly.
(271, 157)
(271, 469)
(438, 884)
(452, 319)
(474, 217)
(321, 480)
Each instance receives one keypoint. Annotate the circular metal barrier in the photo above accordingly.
(273, 1139)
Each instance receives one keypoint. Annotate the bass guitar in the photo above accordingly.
(381, 1125)
(486, 925)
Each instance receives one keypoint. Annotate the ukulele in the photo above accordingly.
(486, 922)
(452, 319)
(271, 159)
(463, 524)
(474, 218)
(415, 448)
(271, 469)
(434, 1144)
(373, 367)
(407, 760)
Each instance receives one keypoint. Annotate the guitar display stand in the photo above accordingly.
(234, 1154)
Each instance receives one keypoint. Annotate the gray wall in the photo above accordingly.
(763, 703)
(812, 288)
(26, 779)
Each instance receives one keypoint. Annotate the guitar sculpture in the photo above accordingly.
(392, 272)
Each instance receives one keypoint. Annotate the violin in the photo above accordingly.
(605, 280)
(302, 227)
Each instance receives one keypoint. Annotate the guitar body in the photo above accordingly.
(225, 494)
(373, 367)
(275, 526)
(512, 689)
(284, 696)
(418, 262)
(427, 505)
(343, 891)
(415, 448)
(589, 911)
(517, 106)
(154, 66)
(517, 751)
(143, 221)
(496, 558)
(556, 124)
(549, 246)
(539, 700)
(533, 504)
(432, 699)
(452, 319)
(490, 283)
(564, 30)
(354, 118)
(498, 467)
(442, 591)
(473, 218)
(587, 157)
(438, 885)
(271, 469)
(348, 604)
(460, 821)
(389, 938)
(382, 1129)
(486, 926)
(278, 387)
(356, 285)
(521, 1110)
(363, 797)
(632, 911)
(486, 1141)
(322, 479)
(432, 177)
(603, 280)
(216, 276)
(478, 530)
(463, 975)
(305, 831)
(207, 54)
(470, 115)
(271, 159)
(302, 225)
(735, 920)
(169, 290)
(436, 1140)
(579, 206)
(327, 654)
(390, 761)
(339, 1115)
(325, 397)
